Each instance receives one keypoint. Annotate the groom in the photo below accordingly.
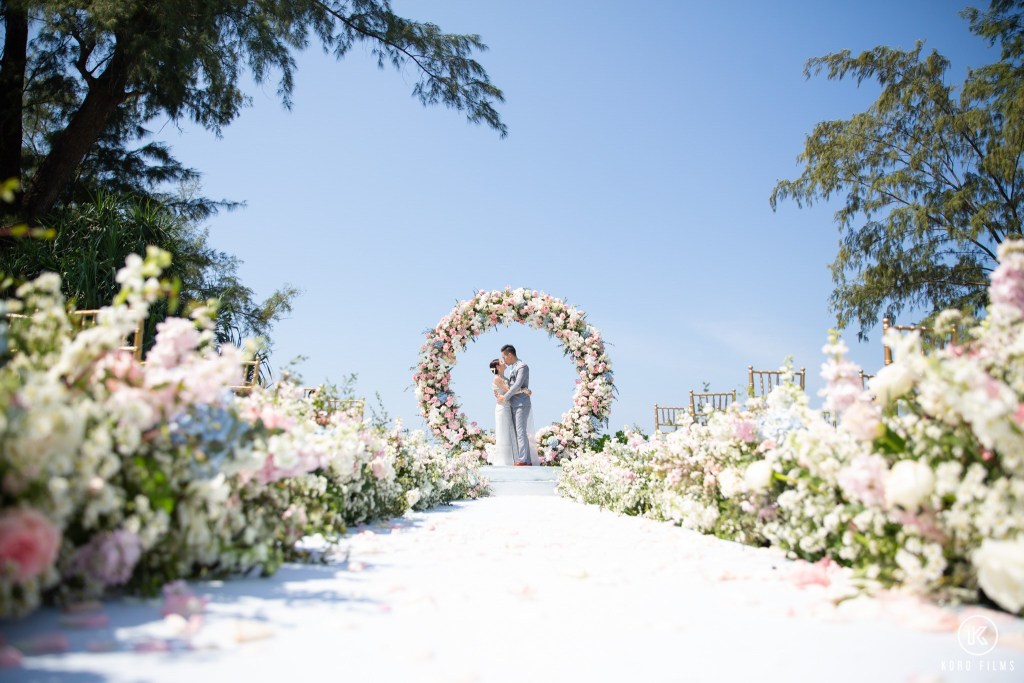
(519, 379)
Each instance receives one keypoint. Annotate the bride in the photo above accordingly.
(504, 430)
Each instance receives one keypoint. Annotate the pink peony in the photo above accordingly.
(28, 544)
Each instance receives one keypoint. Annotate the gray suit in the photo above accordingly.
(520, 405)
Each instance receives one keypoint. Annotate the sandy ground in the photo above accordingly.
(525, 589)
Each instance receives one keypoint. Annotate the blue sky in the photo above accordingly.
(644, 141)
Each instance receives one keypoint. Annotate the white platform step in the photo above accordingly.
(522, 481)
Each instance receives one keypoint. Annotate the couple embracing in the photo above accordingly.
(513, 413)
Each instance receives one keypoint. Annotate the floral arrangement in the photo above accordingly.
(469, 319)
(920, 486)
(120, 475)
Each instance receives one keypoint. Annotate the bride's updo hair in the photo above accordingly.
(494, 366)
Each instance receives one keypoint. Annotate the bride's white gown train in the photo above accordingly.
(505, 437)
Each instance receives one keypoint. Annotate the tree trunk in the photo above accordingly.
(69, 148)
(12, 88)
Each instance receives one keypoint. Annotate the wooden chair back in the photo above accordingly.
(250, 377)
(88, 318)
(354, 407)
(665, 416)
(929, 339)
(761, 382)
(719, 400)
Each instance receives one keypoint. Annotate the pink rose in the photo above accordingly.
(28, 543)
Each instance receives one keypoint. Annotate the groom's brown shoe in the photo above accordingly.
(522, 464)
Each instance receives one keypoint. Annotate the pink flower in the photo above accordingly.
(1007, 283)
(176, 338)
(28, 544)
(864, 479)
(636, 440)
(817, 574)
(745, 430)
(109, 557)
(46, 644)
(274, 418)
(924, 522)
(379, 468)
(9, 657)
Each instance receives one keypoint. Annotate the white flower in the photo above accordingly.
(908, 483)
(891, 382)
(729, 482)
(1000, 566)
(758, 476)
(862, 420)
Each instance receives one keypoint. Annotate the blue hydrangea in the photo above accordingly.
(442, 396)
(439, 345)
(212, 426)
(553, 442)
(595, 423)
(776, 426)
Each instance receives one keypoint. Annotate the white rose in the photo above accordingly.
(1000, 566)
(729, 483)
(412, 496)
(758, 476)
(908, 483)
(891, 382)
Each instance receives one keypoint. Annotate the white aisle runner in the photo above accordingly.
(526, 589)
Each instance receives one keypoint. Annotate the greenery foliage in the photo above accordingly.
(80, 81)
(930, 175)
(92, 240)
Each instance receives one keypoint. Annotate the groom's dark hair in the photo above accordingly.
(508, 348)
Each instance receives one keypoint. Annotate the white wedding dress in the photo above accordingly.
(505, 435)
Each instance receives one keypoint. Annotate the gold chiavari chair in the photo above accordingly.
(353, 407)
(761, 382)
(88, 318)
(929, 339)
(718, 400)
(666, 416)
(250, 377)
(82, 319)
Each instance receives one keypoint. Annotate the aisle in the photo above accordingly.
(528, 589)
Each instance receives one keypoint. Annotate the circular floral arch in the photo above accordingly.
(469, 319)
